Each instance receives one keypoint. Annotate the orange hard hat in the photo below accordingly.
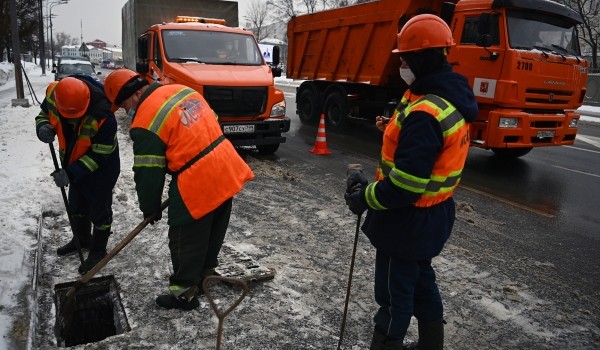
(72, 97)
(121, 84)
(424, 32)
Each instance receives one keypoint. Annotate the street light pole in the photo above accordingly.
(42, 46)
(16, 52)
(52, 5)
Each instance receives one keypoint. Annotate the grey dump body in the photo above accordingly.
(138, 15)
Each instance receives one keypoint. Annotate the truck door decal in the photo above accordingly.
(484, 87)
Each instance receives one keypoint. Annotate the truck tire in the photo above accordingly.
(336, 111)
(308, 106)
(511, 152)
(267, 149)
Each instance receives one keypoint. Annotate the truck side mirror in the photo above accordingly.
(482, 40)
(484, 24)
(142, 48)
(276, 72)
(276, 57)
(447, 12)
(483, 31)
(142, 67)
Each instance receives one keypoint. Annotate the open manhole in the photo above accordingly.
(97, 312)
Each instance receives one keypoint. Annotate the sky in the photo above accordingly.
(99, 19)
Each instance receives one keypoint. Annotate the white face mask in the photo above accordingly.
(407, 75)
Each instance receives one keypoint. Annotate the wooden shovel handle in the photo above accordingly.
(91, 273)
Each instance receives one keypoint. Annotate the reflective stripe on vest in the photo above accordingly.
(448, 167)
(206, 169)
(166, 109)
(149, 161)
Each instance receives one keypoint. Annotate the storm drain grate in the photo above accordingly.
(98, 312)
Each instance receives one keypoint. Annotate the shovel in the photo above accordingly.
(349, 287)
(64, 195)
(65, 314)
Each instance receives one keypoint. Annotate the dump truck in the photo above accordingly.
(198, 43)
(521, 57)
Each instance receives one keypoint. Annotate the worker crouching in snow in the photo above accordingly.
(77, 111)
(410, 209)
(174, 131)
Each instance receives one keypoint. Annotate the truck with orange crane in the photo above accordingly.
(198, 43)
(521, 57)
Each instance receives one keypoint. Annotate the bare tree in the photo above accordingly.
(256, 19)
(286, 9)
(310, 5)
(590, 28)
(330, 4)
(27, 23)
(283, 9)
(61, 39)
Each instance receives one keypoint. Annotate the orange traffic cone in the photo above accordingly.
(321, 143)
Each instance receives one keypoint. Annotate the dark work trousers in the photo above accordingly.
(403, 289)
(195, 247)
(93, 201)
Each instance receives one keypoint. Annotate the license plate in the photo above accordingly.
(545, 134)
(238, 129)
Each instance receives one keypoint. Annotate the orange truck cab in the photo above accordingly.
(521, 57)
(226, 66)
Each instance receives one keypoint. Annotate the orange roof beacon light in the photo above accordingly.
(191, 19)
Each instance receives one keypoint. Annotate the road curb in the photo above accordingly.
(589, 113)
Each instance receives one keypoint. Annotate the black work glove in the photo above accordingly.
(355, 177)
(45, 133)
(355, 200)
(153, 217)
(61, 177)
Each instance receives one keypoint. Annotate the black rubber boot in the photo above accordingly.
(186, 301)
(381, 342)
(82, 227)
(431, 335)
(97, 250)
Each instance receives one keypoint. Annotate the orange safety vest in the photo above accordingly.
(206, 166)
(449, 164)
(88, 127)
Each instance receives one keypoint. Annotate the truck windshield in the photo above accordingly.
(528, 30)
(211, 47)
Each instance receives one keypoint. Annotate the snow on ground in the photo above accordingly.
(24, 189)
(275, 220)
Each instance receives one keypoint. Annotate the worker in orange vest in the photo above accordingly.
(174, 131)
(410, 209)
(76, 110)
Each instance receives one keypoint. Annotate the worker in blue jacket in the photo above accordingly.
(76, 111)
(410, 209)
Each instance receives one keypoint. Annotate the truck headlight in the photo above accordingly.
(573, 123)
(508, 122)
(278, 110)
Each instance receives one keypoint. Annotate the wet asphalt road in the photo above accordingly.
(558, 187)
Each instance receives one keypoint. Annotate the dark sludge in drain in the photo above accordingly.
(96, 312)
